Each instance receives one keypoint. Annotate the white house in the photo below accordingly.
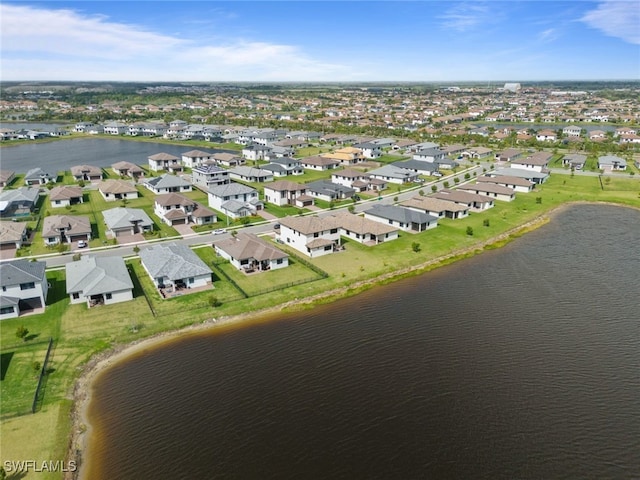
(284, 192)
(393, 174)
(312, 235)
(248, 252)
(491, 190)
(167, 183)
(23, 286)
(98, 281)
(173, 266)
(65, 195)
(112, 190)
(610, 163)
(402, 218)
(164, 161)
(234, 199)
(193, 158)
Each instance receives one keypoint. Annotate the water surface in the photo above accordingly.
(522, 362)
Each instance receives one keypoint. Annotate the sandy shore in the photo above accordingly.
(80, 427)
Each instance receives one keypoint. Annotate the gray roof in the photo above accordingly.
(393, 171)
(518, 172)
(174, 261)
(167, 181)
(20, 271)
(36, 173)
(229, 189)
(417, 165)
(121, 217)
(400, 214)
(97, 275)
(251, 172)
(22, 194)
(248, 246)
(325, 187)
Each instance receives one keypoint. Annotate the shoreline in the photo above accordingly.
(80, 429)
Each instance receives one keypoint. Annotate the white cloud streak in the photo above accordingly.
(61, 44)
(619, 19)
(465, 16)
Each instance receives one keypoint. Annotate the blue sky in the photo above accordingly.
(438, 41)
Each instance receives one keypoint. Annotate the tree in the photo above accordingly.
(538, 200)
(446, 184)
(415, 246)
(214, 301)
(469, 231)
(486, 222)
(351, 209)
(434, 188)
(36, 366)
(22, 332)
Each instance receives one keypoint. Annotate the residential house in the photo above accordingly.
(369, 149)
(610, 163)
(491, 190)
(12, 235)
(317, 162)
(235, 199)
(475, 202)
(597, 135)
(572, 131)
(65, 229)
(165, 161)
(176, 209)
(248, 252)
(394, 174)
(116, 128)
(256, 152)
(509, 155)
(546, 136)
(112, 190)
(403, 218)
(574, 160)
(478, 153)
(364, 230)
(194, 158)
(228, 159)
(432, 154)
(167, 183)
(436, 208)
(98, 281)
(127, 169)
(122, 221)
(65, 195)
(19, 202)
(250, 174)
(537, 162)
(83, 127)
(283, 192)
(516, 183)
(173, 266)
(284, 166)
(6, 176)
(346, 156)
(86, 173)
(24, 287)
(311, 235)
(209, 175)
(418, 166)
(528, 174)
(37, 176)
(329, 191)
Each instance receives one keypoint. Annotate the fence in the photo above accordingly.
(43, 372)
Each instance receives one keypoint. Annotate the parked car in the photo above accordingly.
(276, 226)
(219, 231)
(82, 244)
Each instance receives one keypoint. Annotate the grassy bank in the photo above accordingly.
(80, 333)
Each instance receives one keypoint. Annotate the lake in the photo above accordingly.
(522, 362)
(61, 155)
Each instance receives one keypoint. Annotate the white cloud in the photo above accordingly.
(465, 16)
(548, 35)
(620, 19)
(61, 44)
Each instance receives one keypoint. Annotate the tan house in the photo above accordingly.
(65, 229)
(64, 195)
(113, 190)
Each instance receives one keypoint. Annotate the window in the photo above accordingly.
(279, 261)
(4, 288)
(27, 286)
(75, 296)
(191, 280)
(5, 310)
(334, 230)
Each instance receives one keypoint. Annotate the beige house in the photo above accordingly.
(65, 195)
(113, 190)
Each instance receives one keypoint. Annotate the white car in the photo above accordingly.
(219, 231)
(82, 244)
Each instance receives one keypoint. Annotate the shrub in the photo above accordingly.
(486, 222)
(469, 231)
(434, 188)
(22, 332)
(415, 246)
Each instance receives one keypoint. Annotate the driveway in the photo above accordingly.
(184, 229)
(266, 215)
